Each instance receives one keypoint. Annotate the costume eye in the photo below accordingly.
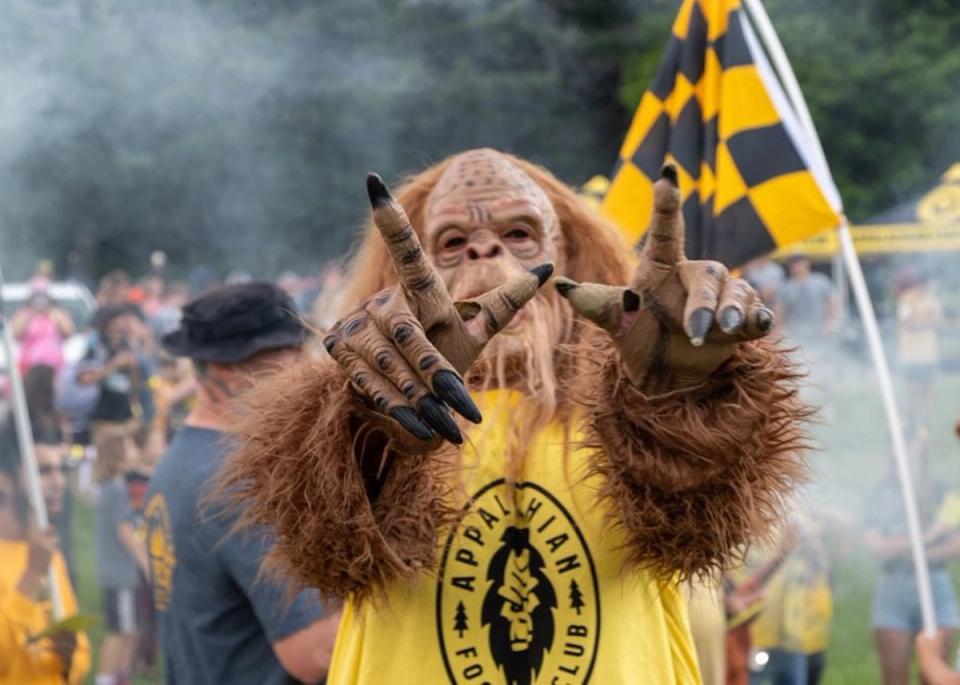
(518, 233)
(454, 242)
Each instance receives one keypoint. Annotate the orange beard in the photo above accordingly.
(525, 357)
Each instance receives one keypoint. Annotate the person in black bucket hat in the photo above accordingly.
(233, 323)
(219, 621)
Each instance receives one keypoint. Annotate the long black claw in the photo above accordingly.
(700, 322)
(542, 272)
(669, 172)
(731, 319)
(631, 301)
(409, 419)
(437, 418)
(563, 287)
(451, 390)
(765, 320)
(377, 190)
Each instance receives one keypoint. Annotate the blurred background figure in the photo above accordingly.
(121, 558)
(26, 554)
(118, 364)
(896, 611)
(806, 307)
(220, 620)
(114, 289)
(919, 316)
(41, 328)
(39, 387)
(326, 305)
(793, 629)
(51, 433)
(806, 316)
(158, 264)
(166, 315)
(767, 277)
(174, 388)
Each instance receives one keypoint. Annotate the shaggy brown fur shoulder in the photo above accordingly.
(694, 476)
(355, 502)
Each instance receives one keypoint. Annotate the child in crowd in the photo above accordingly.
(119, 554)
(145, 654)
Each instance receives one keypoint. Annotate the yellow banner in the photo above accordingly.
(882, 239)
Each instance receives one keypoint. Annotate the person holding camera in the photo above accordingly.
(120, 369)
(40, 328)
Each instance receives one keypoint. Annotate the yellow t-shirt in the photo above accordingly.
(799, 603)
(531, 588)
(708, 625)
(949, 513)
(20, 617)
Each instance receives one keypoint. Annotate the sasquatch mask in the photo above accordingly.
(483, 217)
(486, 222)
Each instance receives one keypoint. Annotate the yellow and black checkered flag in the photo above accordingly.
(748, 178)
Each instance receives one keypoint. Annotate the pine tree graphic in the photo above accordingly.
(576, 597)
(460, 619)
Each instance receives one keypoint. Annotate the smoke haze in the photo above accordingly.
(239, 134)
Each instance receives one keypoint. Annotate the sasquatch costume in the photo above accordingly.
(635, 430)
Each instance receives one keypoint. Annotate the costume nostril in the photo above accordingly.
(484, 251)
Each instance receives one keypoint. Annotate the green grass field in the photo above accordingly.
(851, 459)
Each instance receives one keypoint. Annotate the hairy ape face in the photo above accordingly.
(487, 221)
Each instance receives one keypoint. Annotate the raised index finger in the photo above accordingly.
(664, 240)
(414, 270)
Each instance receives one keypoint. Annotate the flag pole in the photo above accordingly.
(28, 456)
(771, 42)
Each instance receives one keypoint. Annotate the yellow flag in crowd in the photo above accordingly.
(716, 109)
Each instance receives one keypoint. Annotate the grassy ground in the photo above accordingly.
(852, 458)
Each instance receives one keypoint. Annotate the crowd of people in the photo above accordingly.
(138, 424)
(100, 424)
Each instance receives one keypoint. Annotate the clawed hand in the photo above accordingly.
(679, 319)
(406, 347)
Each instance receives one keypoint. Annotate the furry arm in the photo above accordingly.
(692, 476)
(355, 501)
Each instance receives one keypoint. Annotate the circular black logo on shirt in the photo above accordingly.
(517, 596)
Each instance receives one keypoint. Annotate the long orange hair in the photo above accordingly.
(593, 250)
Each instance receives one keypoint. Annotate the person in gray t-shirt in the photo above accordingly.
(806, 308)
(116, 567)
(220, 619)
(119, 552)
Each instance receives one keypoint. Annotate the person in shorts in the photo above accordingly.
(895, 616)
(119, 556)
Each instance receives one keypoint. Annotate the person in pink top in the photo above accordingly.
(40, 328)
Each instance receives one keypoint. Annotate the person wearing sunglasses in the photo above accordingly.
(26, 554)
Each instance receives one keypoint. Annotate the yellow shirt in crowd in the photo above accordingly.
(949, 513)
(22, 663)
(799, 602)
(530, 589)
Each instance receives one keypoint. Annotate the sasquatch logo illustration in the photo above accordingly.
(518, 607)
(517, 597)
